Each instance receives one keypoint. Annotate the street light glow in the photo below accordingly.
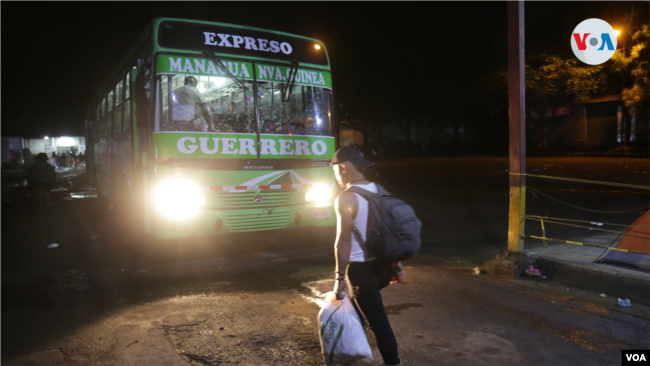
(617, 33)
(317, 46)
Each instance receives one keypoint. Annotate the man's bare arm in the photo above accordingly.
(345, 206)
(207, 114)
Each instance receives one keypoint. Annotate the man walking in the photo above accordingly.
(365, 273)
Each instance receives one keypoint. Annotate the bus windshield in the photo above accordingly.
(219, 104)
(307, 112)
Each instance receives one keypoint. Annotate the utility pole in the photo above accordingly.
(517, 119)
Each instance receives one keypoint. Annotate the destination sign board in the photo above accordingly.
(240, 41)
(170, 64)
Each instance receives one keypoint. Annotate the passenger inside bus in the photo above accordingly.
(205, 104)
(190, 111)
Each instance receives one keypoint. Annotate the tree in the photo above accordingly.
(637, 64)
(551, 80)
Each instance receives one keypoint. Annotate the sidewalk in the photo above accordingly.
(576, 265)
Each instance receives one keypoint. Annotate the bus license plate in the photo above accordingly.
(318, 213)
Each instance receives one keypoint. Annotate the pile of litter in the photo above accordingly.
(624, 303)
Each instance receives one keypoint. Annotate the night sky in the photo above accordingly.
(388, 59)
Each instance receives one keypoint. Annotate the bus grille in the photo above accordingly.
(258, 221)
(270, 198)
(268, 215)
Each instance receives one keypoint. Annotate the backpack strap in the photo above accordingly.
(364, 193)
(368, 196)
(357, 235)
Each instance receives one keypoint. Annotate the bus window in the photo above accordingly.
(193, 103)
(126, 122)
(109, 124)
(307, 112)
(102, 107)
(100, 128)
(109, 107)
(127, 85)
(117, 119)
(119, 89)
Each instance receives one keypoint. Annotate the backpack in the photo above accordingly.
(393, 230)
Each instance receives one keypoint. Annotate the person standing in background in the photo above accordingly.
(44, 178)
(28, 160)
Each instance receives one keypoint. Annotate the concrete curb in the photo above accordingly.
(601, 279)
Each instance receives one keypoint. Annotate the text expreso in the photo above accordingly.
(257, 44)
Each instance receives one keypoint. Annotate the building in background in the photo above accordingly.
(76, 144)
(12, 146)
(350, 135)
(592, 125)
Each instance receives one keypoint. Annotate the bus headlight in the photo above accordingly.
(319, 193)
(177, 198)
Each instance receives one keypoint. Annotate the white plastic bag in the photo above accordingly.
(342, 338)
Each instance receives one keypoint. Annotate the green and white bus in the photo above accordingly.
(209, 128)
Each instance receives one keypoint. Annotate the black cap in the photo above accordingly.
(353, 155)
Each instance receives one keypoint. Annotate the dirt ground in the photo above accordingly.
(445, 317)
(255, 301)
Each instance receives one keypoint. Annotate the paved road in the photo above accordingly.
(89, 302)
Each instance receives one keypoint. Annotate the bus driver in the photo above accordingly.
(189, 100)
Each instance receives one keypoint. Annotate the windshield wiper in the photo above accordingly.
(222, 64)
(293, 71)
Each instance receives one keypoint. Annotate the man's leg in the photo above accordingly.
(371, 304)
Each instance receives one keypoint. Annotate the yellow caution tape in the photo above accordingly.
(588, 227)
(604, 223)
(584, 181)
(583, 244)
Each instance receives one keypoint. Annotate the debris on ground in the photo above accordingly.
(532, 272)
(505, 264)
(206, 332)
(53, 245)
(624, 303)
(603, 295)
(476, 271)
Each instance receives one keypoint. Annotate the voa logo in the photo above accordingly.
(593, 41)
(635, 357)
